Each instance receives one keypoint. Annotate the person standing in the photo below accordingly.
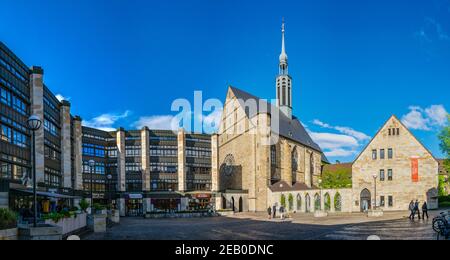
(274, 211)
(411, 209)
(416, 209)
(269, 212)
(282, 212)
(425, 210)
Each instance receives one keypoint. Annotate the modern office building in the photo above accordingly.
(148, 170)
(137, 170)
(24, 93)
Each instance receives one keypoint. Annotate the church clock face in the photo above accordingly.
(229, 164)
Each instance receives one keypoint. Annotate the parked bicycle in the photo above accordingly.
(441, 225)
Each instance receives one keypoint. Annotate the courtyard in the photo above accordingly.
(255, 226)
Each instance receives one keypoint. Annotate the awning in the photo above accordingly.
(48, 194)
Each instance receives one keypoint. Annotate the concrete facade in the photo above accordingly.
(66, 145)
(37, 108)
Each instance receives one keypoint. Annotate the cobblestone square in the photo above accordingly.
(249, 226)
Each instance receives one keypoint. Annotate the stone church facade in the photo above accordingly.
(402, 168)
(263, 155)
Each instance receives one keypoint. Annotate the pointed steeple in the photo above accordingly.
(283, 55)
(284, 81)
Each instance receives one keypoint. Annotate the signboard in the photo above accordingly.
(203, 196)
(135, 196)
(415, 169)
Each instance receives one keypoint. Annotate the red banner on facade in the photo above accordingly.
(415, 169)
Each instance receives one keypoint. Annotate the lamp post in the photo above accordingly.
(320, 186)
(109, 177)
(34, 123)
(375, 195)
(91, 169)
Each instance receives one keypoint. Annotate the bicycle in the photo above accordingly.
(441, 225)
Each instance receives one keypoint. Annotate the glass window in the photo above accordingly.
(374, 154)
(5, 96)
(390, 175)
(5, 133)
(391, 201)
(382, 201)
(382, 154)
(382, 175)
(390, 153)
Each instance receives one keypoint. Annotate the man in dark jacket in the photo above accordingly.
(411, 209)
(274, 211)
(416, 209)
(269, 212)
(425, 210)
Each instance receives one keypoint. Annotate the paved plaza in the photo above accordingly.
(249, 226)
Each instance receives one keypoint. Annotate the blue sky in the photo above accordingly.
(354, 63)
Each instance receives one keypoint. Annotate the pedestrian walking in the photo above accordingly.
(416, 209)
(282, 212)
(274, 211)
(425, 210)
(269, 212)
(411, 209)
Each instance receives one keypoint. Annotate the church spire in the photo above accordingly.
(283, 55)
(284, 81)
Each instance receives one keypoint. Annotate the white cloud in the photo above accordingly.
(333, 141)
(162, 122)
(339, 153)
(437, 115)
(106, 122)
(343, 130)
(425, 119)
(61, 97)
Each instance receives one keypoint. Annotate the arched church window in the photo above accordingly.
(294, 163)
(273, 155)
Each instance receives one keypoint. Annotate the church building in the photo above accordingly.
(262, 148)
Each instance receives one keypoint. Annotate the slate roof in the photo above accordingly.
(288, 128)
(283, 186)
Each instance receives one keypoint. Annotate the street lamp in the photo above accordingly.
(375, 183)
(91, 169)
(34, 123)
(109, 177)
(320, 186)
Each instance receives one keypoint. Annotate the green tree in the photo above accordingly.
(291, 202)
(339, 178)
(283, 201)
(444, 137)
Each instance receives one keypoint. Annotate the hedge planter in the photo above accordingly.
(42, 232)
(97, 223)
(70, 225)
(9, 234)
(114, 216)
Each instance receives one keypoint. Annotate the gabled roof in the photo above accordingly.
(283, 186)
(288, 128)
(409, 131)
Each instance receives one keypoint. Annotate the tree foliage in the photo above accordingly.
(338, 179)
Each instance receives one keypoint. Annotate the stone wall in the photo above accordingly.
(37, 108)
(66, 145)
(403, 189)
(300, 199)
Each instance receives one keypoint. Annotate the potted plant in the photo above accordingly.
(8, 225)
(84, 205)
